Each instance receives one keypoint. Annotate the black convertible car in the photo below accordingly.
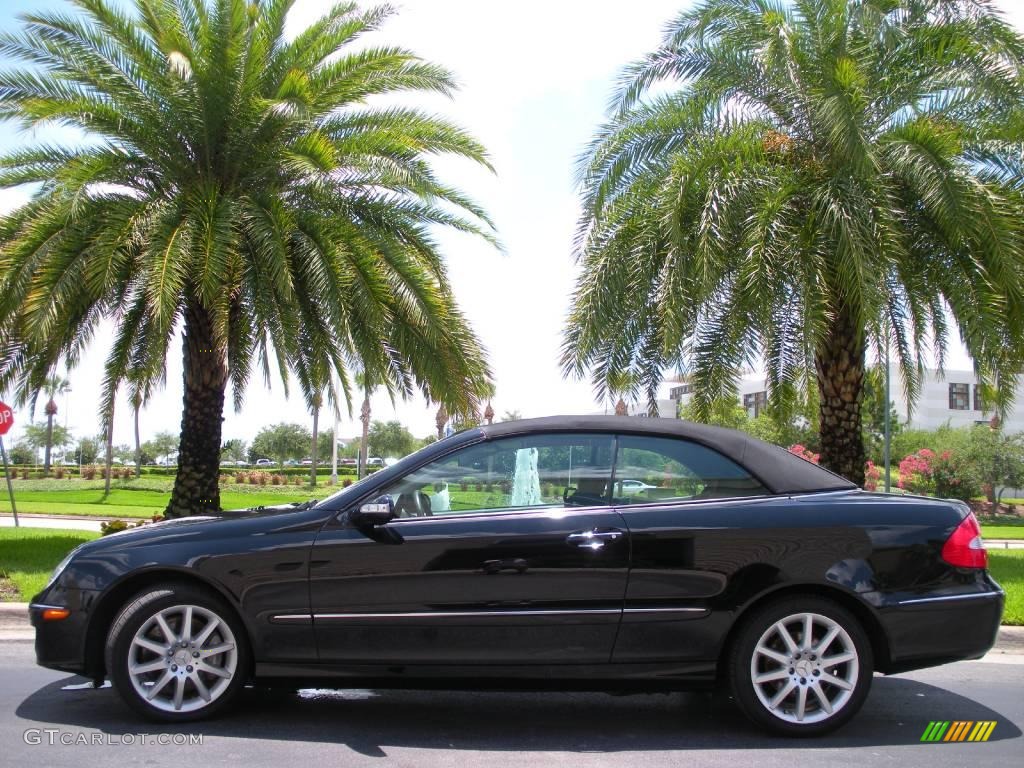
(600, 553)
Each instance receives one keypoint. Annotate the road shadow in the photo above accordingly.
(367, 721)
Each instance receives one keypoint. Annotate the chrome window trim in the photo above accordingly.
(545, 509)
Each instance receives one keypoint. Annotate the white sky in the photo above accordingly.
(535, 79)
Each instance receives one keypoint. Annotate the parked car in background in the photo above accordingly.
(375, 461)
(265, 463)
(633, 487)
(509, 556)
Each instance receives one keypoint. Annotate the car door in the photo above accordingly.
(503, 552)
(691, 540)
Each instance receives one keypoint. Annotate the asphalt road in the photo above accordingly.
(427, 729)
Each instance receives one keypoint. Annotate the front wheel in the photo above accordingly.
(177, 654)
(801, 666)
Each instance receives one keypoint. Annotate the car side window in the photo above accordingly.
(650, 469)
(560, 470)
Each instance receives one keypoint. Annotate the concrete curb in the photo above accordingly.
(14, 625)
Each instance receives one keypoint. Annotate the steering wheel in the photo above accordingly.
(413, 504)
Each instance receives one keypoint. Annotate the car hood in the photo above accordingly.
(202, 525)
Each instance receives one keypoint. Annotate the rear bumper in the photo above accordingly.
(924, 631)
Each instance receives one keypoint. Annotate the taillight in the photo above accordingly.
(965, 547)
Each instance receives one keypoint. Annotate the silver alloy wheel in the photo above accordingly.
(804, 668)
(182, 658)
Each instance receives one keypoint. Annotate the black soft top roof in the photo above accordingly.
(778, 470)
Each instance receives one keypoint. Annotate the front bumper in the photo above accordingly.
(60, 644)
(924, 631)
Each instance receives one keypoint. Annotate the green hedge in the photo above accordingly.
(346, 471)
(35, 472)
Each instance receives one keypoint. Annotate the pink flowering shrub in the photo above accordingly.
(916, 472)
(804, 453)
(872, 474)
(954, 478)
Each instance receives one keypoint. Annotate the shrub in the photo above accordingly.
(954, 478)
(113, 526)
(916, 472)
(298, 480)
(804, 453)
(241, 477)
(872, 474)
(58, 473)
(89, 472)
(346, 482)
(276, 479)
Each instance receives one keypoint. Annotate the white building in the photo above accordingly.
(952, 398)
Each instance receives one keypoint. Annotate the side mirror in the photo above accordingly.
(377, 512)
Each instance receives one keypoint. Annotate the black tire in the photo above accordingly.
(142, 610)
(803, 668)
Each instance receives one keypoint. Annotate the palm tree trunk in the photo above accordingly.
(49, 439)
(316, 424)
(110, 450)
(138, 445)
(840, 368)
(363, 447)
(205, 375)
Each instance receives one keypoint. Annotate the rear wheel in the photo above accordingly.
(177, 654)
(801, 666)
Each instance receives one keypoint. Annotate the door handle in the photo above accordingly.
(594, 539)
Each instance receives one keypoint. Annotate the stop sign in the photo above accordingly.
(6, 418)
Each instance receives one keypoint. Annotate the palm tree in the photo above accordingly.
(140, 390)
(440, 420)
(239, 185)
(54, 386)
(364, 382)
(314, 374)
(793, 184)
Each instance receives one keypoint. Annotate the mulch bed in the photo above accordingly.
(8, 591)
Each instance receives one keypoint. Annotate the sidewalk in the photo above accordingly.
(64, 522)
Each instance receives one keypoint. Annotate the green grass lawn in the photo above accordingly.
(1007, 567)
(29, 555)
(86, 498)
(1002, 531)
